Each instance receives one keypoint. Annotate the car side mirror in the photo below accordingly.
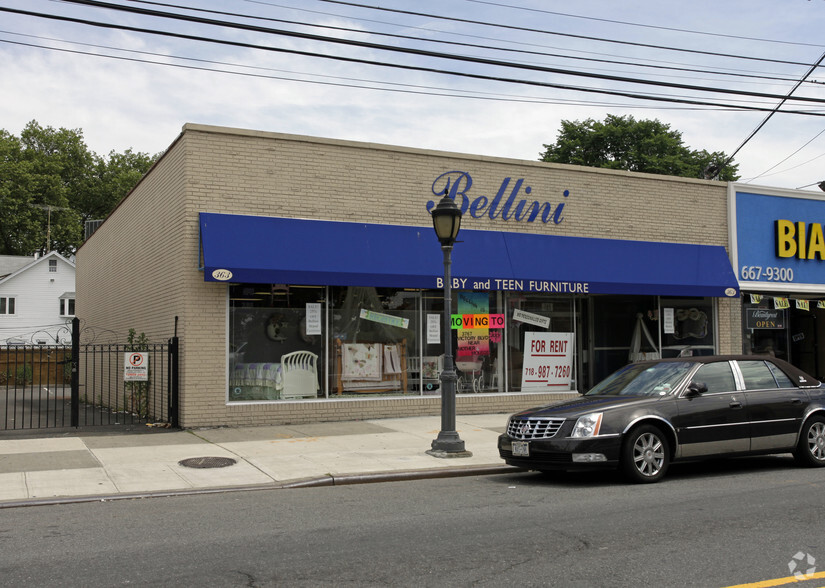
(695, 389)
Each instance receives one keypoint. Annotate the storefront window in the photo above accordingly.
(476, 337)
(478, 341)
(286, 344)
(793, 334)
(765, 330)
(276, 342)
(537, 321)
(431, 357)
(687, 326)
(615, 321)
(374, 341)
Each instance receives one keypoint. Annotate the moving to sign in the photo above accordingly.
(477, 321)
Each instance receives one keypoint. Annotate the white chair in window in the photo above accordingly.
(413, 372)
(299, 375)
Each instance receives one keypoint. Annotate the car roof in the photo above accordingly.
(799, 377)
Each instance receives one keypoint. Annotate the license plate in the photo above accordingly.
(521, 448)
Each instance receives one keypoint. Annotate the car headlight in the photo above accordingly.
(587, 425)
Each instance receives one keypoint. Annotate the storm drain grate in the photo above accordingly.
(207, 462)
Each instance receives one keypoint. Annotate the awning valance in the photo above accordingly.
(270, 250)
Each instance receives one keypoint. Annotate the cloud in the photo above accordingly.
(122, 104)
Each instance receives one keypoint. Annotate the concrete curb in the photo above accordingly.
(317, 482)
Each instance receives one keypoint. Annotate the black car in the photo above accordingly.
(651, 413)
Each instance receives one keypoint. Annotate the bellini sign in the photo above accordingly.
(512, 201)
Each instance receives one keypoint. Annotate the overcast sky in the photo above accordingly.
(764, 46)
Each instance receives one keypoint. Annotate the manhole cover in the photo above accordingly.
(207, 462)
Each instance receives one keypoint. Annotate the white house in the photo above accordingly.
(37, 298)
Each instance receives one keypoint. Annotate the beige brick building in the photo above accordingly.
(322, 232)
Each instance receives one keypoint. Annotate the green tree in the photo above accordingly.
(622, 142)
(113, 179)
(18, 224)
(58, 162)
(50, 183)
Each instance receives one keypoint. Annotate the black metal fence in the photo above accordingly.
(86, 385)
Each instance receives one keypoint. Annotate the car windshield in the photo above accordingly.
(636, 379)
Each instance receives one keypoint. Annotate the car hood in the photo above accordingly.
(585, 404)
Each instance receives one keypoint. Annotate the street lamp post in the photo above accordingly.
(447, 222)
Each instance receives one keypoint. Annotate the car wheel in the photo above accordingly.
(645, 454)
(811, 448)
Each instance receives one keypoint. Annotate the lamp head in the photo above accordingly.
(446, 220)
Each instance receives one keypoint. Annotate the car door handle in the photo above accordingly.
(736, 404)
(796, 401)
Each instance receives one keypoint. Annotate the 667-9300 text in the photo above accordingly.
(772, 274)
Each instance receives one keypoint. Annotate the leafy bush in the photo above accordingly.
(24, 374)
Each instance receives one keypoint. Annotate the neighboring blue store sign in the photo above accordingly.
(777, 239)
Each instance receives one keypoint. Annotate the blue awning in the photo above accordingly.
(273, 250)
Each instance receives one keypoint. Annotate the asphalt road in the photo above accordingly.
(714, 524)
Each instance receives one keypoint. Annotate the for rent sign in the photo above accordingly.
(548, 361)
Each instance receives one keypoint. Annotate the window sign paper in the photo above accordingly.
(531, 319)
(548, 362)
(474, 339)
(477, 321)
(668, 325)
(385, 319)
(313, 322)
(433, 329)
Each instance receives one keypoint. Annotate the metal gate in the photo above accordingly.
(86, 385)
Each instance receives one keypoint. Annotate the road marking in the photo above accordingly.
(779, 581)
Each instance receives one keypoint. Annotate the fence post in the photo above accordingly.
(173, 407)
(75, 372)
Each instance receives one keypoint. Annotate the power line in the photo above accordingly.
(545, 32)
(723, 100)
(646, 26)
(405, 50)
(626, 94)
(411, 88)
(471, 45)
(764, 173)
(820, 184)
(458, 34)
(399, 87)
(804, 163)
(770, 114)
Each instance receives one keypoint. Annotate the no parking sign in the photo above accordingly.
(135, 366)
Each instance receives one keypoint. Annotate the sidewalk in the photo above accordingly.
(80, 466)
